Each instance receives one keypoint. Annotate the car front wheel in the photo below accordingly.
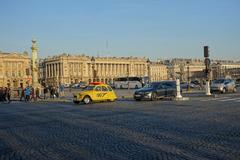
(234, 90)
(86, 100)
(154, 96)
(224, 90)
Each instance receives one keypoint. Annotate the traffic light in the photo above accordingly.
(206, 52)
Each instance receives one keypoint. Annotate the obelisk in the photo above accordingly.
(35, 83)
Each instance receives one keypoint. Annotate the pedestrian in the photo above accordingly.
(45, 91)
(1, 94)
(52, 92)
(62, 90)
(4, 96)
(27, 93)
(32, 94)
(8, 94)
(38, 93)
(21, 91)
(57, 92)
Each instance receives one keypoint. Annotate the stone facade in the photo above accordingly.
(158, 72)
(186, 68)
(13, 68)
(68, 69)
(221, 69)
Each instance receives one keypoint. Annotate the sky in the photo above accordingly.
(141, 28)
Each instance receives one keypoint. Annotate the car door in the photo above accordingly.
(105, 93)
(161, 90)
(97, 93)
(170, 89)
(231, 85)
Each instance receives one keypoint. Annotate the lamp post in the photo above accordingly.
(148, 67)
(128, 77)
(188, 76)
(93, 68)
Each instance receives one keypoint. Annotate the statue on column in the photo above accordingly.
(34, 49)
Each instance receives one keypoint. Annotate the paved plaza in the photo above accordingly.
(201, 128)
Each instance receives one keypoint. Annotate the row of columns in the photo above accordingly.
(54, 70)
(111, 69)
(104, 71)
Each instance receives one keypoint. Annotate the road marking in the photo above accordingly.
(215, 99)
(231, 99)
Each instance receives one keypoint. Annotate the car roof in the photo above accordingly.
(98, 84)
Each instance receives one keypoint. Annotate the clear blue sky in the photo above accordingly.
(146, 28)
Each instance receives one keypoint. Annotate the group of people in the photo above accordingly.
(5, 94)
(29, 94)
(54, 91)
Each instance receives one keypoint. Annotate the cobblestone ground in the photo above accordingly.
(122, 130)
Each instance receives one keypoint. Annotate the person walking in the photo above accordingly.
(22, 93)
(27, 94)
(52, 92)
(62, 90)
(8, 94)
(32, 94)
(38, 93)
(4, 94)
(1, 94)
(45, 91)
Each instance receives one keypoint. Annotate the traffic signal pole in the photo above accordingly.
(207, 70)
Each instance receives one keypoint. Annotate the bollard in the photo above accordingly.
(178, 89)
(208, 93)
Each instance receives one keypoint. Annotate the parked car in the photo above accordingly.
(184, 85)
(96, 91)
(76, 85)
(237, 82)
(156, 90)
(66, 85)
(223, 85)
(82, 85)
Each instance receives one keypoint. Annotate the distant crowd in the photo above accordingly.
(29, 94)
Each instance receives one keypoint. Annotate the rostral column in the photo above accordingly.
(34, 64)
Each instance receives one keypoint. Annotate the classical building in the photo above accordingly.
(185, 69)
(14, 69)
(67, 69)
(221, 69)
(158, 72)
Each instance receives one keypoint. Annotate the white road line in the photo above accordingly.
(231, 99)
(214, 99)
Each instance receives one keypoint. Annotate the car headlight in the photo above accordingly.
(221, 87)
(148, 93)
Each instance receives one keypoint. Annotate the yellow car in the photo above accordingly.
(96, 91)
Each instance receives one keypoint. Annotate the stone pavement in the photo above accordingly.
(121, 130)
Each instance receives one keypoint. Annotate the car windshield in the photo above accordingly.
(151, 85)
(218, 81)
(89, 88)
